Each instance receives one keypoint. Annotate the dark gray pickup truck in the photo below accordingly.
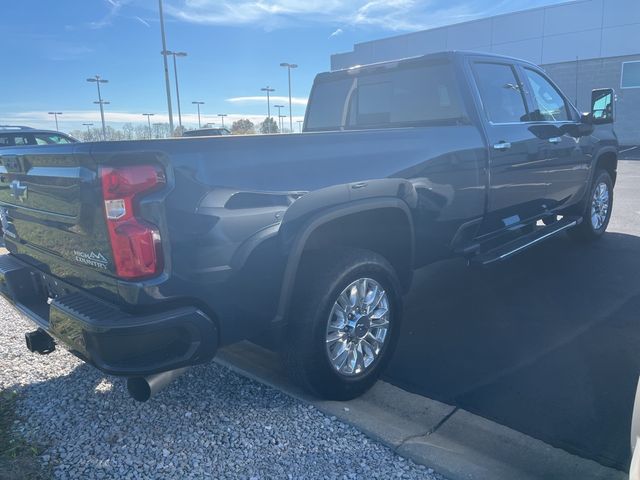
(144, 257)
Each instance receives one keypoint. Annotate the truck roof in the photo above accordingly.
(444, 55)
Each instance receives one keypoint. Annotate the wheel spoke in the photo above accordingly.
(369, 353)
(352, 359)
(333, 337)
(379, 313)
(372, 343)
(339, 352)
(353, 296)
(371, 295)
(360, 366)
(362, 291)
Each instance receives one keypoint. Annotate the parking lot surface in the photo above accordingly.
(547, 343)
(211, 423)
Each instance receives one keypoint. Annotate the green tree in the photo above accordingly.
(269, 126)
(244, 126)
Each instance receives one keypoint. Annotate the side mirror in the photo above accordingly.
(602, 106)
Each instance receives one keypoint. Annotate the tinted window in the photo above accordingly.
(5, 140)
(327, 104)
(630, 75)
(500, 92)
(404, 96)
(550, 106)
(23, 139)
(407, 96)
(50, 138)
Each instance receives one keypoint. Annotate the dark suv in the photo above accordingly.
(207, 132)
(14, 136)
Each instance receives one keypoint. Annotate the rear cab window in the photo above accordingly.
(413, 94)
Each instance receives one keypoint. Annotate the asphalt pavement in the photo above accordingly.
(546, 343)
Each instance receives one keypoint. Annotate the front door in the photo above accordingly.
(555, 123)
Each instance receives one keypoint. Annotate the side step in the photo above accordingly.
(522, 243)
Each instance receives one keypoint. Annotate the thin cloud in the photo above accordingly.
(392, 15)
(114, 10)
(336, 32)
(274, 99)
(142, 21)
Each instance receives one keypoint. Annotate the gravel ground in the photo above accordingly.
(211, 423)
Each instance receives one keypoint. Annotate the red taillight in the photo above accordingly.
(135, 243)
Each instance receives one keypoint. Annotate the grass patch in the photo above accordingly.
(18, 458)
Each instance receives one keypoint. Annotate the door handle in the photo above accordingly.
(555, 139)
(502, 146)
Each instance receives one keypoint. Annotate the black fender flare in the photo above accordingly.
(596, 158)
(300, 239)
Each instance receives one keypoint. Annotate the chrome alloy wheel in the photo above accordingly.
(358, 327)
(599, 206)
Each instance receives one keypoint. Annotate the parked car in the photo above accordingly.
(206, 132)
(144, 257)
(15, 136)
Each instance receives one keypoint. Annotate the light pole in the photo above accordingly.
(88, 125)
(166, 67)
(279, 116)
(198, 104)
(282, 122)
(222, 115)
(299, 125)
(268, 89)
(175, 74)
(55, 114)
(158, 125)
(98, 80)
(289, 67)
(149, 115)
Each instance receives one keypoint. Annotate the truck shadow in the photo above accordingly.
(546, 343)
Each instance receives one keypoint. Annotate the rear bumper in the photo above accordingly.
(114, 341)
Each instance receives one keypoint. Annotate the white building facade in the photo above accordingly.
(583, 44)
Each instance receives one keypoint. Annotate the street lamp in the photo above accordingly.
(279, 116)
(88, 125)
(299, 125)
(198, 104)
(98, 80)
(166, 67)
(175, 74)
(281, 122)
(268, 89)
(55, 114)
(222, 115)
(160, 124)
(149, 115)
(289, 66)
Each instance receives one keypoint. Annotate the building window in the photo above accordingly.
(630, 75)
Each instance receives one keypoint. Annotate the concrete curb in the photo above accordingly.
(454, 442)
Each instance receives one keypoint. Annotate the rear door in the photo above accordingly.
(554, 121)
(517, 185)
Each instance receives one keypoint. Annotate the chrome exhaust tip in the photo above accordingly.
(143, 388)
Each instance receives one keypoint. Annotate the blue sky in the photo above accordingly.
(234, 48)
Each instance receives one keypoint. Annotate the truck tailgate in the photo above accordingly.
(51, 210)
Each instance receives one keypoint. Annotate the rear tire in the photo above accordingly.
(338, 343)
(597, 213)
